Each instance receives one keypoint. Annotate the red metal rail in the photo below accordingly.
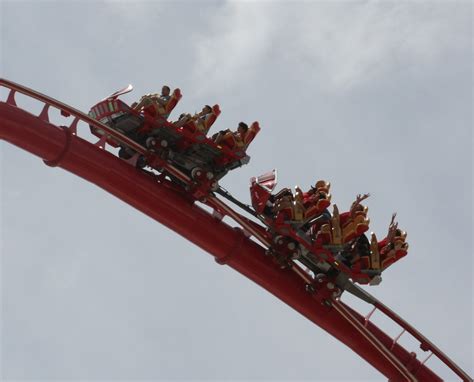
(159, 200)
(425, 344)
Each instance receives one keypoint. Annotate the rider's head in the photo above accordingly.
(165, 90)
(206, 109)
(242, 129)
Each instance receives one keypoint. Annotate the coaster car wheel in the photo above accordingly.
(196, 173)
(151, 143)
(141, 162)
(124, 153)
(321, 277)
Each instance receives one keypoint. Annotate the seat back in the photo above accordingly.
(298, 206)
(251, 133)
(211, 117)
(374, 253)
(298, 195)
(175, 98)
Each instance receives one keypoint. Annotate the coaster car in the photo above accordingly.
(321, 240)
(190, 150)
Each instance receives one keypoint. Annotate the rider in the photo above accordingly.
(154, 105)
(154, 109)
(198, 120)
(201, 118)
(232, 139)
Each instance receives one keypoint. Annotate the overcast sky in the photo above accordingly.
(372, 96)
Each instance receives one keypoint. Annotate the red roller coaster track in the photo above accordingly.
(160, 199)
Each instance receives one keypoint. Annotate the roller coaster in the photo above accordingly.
(288, 244)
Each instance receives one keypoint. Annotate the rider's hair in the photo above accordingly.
(243, 125)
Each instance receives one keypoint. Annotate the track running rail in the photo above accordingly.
(425, 344)
(343, 311)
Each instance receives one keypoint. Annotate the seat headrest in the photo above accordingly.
(216, 110)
